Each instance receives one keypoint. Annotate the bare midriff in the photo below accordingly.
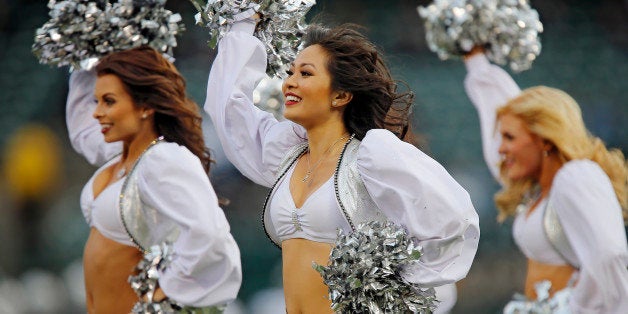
(558, 275)
(107, 266)
(303, 286)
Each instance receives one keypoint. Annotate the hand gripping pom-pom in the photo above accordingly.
(80, 32)
(146, 282)
(508, 30)
(364, 272)
(280, 28)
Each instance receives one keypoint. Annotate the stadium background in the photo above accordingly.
(42, 231)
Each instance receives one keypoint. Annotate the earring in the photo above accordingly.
(144, 116)
(334, 104)
(545, 153)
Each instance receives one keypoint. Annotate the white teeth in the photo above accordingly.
(293, 98)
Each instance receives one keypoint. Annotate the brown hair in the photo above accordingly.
(556, 117)
(154, 82)
(356, 66)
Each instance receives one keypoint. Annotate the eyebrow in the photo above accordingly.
(105, 95)
(304, 64)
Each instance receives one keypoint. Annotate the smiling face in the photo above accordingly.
(522, 150)
(119, 118)
(307, 89)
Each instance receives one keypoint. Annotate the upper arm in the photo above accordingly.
(588, 209)
(591, 218)
(173, 181)
(205, 269)
(83, 129)
(414, 190)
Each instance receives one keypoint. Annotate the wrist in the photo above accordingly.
(156, 297)
(246, 25)
(475, 51)
(159, 295)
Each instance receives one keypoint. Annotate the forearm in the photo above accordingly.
(253, 140)
(488, 87)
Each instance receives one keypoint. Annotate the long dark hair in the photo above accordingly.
(154, 82)
(357, 66)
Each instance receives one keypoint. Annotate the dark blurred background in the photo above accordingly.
(42, 231)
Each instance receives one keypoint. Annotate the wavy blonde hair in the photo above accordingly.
(556, 117)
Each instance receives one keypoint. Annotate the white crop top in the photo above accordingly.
(531, 238)
(318, 219)
(103, 212)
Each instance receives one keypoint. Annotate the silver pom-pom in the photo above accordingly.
(217, 15)
(508, 30)
(280, 29)
(544, 304)
(80, 32)
(364, 272)
(146, 282)
(269, 97)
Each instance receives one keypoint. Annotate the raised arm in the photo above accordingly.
(83, 129)
(489, 87)
(253, 140)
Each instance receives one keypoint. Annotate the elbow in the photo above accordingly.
(445, 261)
(612, 259)
(201, 279)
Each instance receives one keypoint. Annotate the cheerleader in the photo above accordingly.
(338, 160)
(566, 190)
(131, 116)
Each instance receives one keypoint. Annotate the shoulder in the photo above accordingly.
(582, 185)
(170, 151)
(579, 173)
(170, 157)
(382, 146)
(377, 139)
(385, 158)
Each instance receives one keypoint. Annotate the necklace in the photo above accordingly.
(121, 173)
(532, 195)
(311, 169)
(529, 198)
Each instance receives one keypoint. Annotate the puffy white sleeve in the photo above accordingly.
(489, 87)
(83, 129)
(591, 217)
(252, 139)
(206, 268)
(414, 190)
